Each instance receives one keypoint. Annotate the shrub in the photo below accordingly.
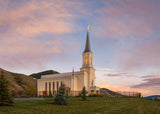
(45, 93)
(96, 95)
(83, 93)
(5, 97)
(30, 89)
(158, 98)
(50, 94)
(61, 98)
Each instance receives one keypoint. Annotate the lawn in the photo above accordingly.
(94, 105)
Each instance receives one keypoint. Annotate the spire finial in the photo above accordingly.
(87, 27)
(87, 48)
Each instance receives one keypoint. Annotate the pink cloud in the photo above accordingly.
(151, 76)
(150, 82)
(37, 17)
(127, 18)
(25, 52)
(121, 75)
(143, 54)
(147, 85)
(20, 43)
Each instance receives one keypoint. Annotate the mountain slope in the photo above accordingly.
(47, 72)
(20, 85)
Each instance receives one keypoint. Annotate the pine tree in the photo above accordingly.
(61, 98)
(83, 93)
(50, 94)
(5, 97)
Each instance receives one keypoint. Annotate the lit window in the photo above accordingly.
(86, 60)
(91, 60)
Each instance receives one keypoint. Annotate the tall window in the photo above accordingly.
(91, 60)
(86, 60)
(53, 87)
(49, 87)
(61, 83)
(57, 86)
(46, 86)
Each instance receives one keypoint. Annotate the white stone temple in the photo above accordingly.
(74, 81)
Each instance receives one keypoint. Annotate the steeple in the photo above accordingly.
(87, 47)
(87, 63)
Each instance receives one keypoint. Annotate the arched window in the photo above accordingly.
(86, 60)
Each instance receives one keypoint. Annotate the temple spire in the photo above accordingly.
(87, 47)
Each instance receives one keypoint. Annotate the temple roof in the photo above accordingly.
(87, 47)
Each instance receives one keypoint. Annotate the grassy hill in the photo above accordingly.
(93, 105)
(47, 72)
(20, 85)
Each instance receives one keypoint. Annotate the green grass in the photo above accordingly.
(93, 105)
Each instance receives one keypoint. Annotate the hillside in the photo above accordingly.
(20, 85)
(152, 97)
(47, 72)
(93, 105)
(108, 92)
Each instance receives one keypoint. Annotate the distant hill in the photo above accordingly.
(20, 85)
(47, 72)
(152, 97)
(109, 92)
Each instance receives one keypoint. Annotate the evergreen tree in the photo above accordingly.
(83, 93)
(50, 94)
(5, 97)
(61, 98)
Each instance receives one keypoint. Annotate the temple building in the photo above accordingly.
(74, 81)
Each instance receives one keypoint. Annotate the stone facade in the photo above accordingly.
(74, 81)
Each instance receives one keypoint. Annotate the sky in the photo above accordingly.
(51, 34)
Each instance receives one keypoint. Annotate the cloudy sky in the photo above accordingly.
(50, 34)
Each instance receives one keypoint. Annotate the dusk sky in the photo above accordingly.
(38, 35)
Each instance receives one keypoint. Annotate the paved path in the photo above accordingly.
(27, 99)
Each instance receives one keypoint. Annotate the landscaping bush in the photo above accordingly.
(61, 98)
(30, 89)
(83, 93)
(45, 93)
(96, 95)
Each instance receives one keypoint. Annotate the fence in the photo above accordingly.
(130, 94)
